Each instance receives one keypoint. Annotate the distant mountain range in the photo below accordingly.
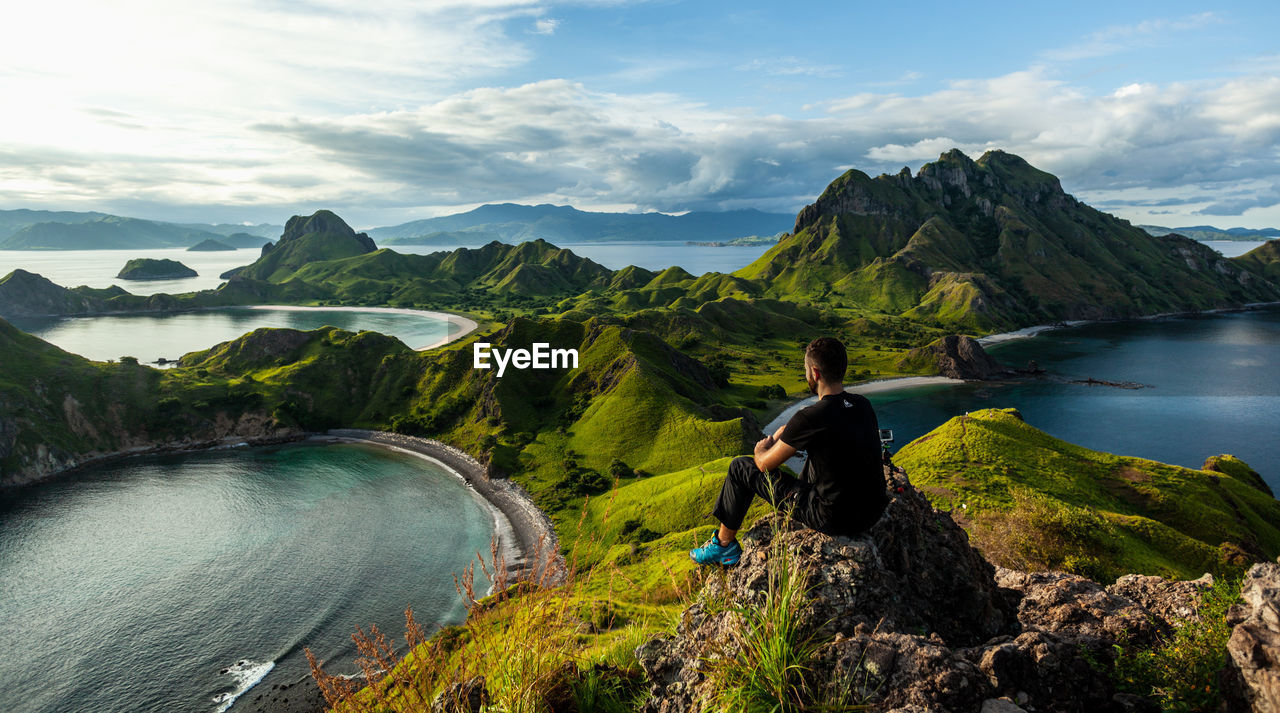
(68, 230)
(506, 222)
(1208, 232)
(565, 225)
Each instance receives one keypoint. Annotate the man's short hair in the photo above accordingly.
(828, 356)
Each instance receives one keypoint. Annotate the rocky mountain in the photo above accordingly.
(991, 244)
(567, 225)
(909, 618)
(306, 239)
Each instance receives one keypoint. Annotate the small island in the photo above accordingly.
(146, 268)
(209, 246)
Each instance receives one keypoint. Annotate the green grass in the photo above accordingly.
(767, 674)
(1022, 494)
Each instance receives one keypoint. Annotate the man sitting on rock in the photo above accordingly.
(841, 490)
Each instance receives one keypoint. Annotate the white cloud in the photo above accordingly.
(545, 26)
(790, 67)
(1120, 38)
(145, 104)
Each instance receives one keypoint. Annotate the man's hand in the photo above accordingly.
(763, 445)
(771, 452)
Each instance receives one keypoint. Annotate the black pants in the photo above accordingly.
(745, 481)
(794, 497)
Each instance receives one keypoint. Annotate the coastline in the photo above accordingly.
(465, 325)
(1025, 332)
(527, 542)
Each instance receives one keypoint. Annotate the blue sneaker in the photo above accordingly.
(715, 553)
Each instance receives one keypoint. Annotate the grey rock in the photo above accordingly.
(1255, 642)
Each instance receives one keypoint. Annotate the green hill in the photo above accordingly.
(145, 268)
(26, 294)
(1031, 501)
(1263, 260)
(988, 245)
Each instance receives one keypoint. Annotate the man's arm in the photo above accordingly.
(771, 452)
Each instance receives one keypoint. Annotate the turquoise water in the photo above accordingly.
(150, 336)
(129, 587)
(1212, 388)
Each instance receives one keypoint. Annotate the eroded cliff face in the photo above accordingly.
(910, 618)
(37, 460)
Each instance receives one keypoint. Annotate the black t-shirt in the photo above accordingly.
(842, 438)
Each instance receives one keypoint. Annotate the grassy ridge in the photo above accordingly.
(1032, 500)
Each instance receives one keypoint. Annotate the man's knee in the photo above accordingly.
(742, 468)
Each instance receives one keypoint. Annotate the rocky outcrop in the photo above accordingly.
(873, 601)
(909, 617)
(1255, 642)
(956, 357)
(1170, 601)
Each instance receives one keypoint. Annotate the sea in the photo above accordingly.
(176, 582)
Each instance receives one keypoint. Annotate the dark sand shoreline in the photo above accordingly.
(527, 539)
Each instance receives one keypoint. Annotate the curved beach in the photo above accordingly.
(527, 544)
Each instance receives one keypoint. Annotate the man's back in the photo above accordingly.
(842, 438)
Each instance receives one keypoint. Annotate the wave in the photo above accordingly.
(247, 674)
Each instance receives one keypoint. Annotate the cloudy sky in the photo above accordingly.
(254, 110)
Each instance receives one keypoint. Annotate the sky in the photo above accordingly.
(1164, 113)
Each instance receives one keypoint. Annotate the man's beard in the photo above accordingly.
(813, 386)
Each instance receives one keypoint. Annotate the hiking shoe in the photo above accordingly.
(715, 553)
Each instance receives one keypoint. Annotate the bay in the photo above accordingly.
(129, 587)
(1209, 381)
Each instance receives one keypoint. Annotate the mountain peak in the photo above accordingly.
(324, 222)
(314, 238)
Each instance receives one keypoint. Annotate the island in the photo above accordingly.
(146, 268)
(209, 246)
